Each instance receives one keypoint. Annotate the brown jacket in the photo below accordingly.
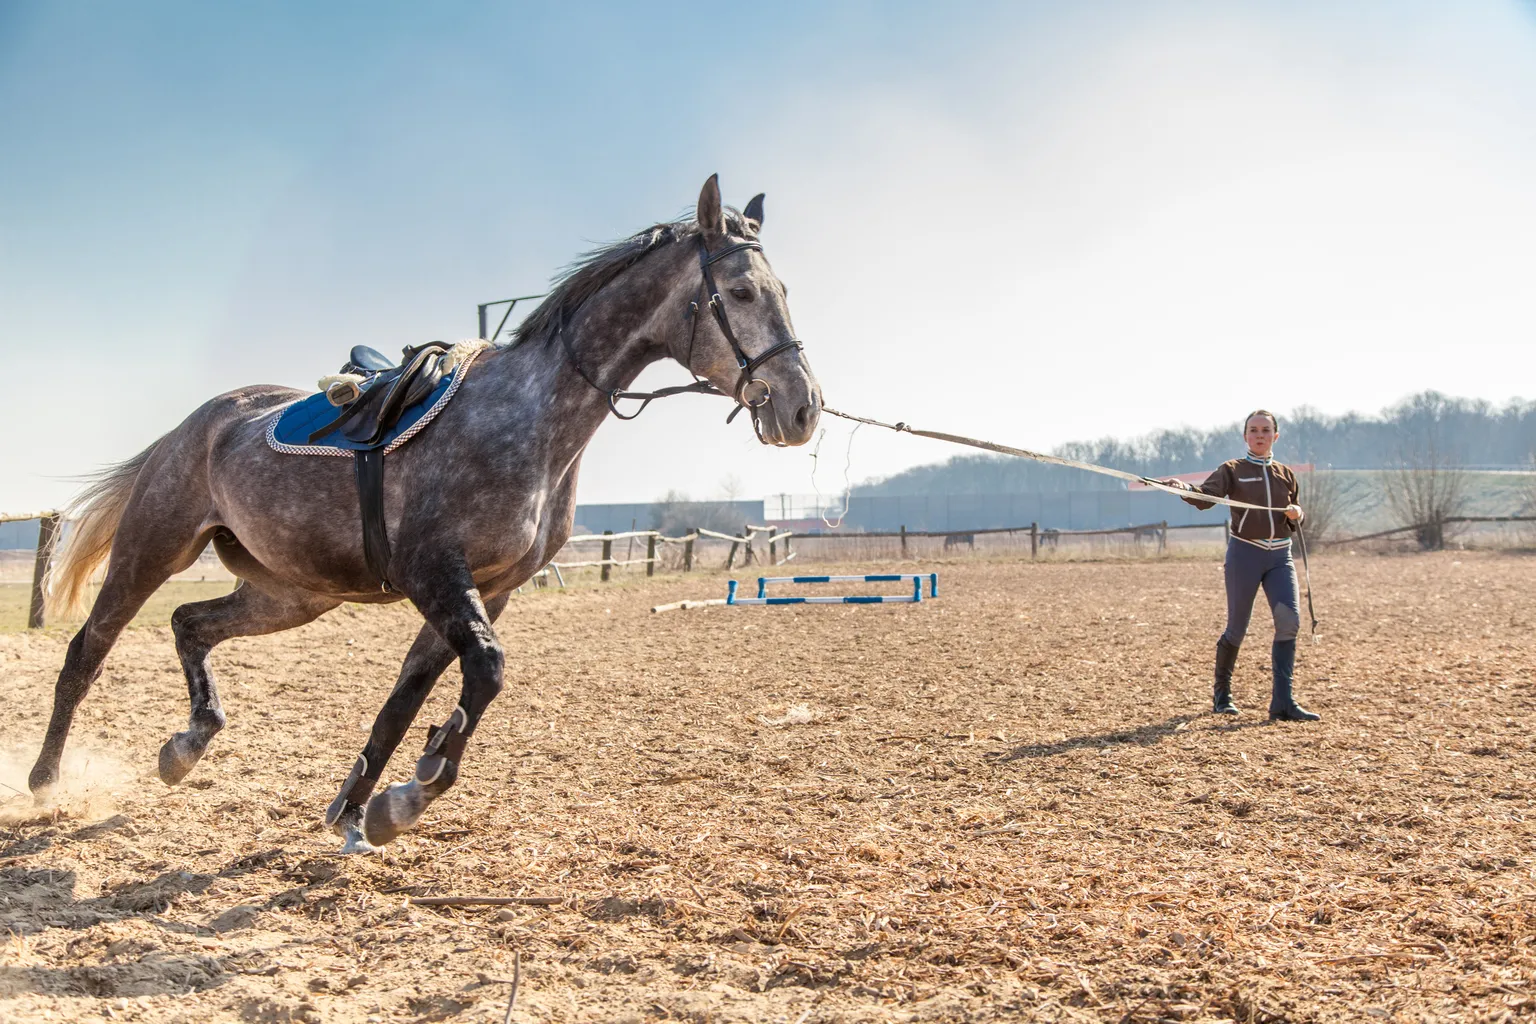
(1273, 485)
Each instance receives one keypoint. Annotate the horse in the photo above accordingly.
(954, 540)
(473, 507)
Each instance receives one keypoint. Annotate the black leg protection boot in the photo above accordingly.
(1282, 706)
(1221, 694)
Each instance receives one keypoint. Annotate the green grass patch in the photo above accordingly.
(16, 597)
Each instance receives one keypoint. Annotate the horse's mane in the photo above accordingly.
(592, 271)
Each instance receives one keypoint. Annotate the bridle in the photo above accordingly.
(750, 392)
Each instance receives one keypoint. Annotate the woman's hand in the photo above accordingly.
(1180, 484)
(1293, 513)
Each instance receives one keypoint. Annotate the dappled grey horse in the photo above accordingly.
(474, 506)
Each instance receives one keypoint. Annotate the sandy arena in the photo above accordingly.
(1004, 804)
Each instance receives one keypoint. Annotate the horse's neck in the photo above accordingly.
(614, 336)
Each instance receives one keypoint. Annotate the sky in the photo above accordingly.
(1032, 223)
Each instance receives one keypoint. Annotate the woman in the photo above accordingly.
(1258, 555)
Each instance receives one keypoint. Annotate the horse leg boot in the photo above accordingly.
(1221, 693)
(1282, 706)
(429, 657)
(463, 622)
(201, 625)
(427, 660)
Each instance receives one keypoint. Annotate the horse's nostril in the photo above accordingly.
(803, 417)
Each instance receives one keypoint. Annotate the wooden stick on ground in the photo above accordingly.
(486, 901)
(517, 975)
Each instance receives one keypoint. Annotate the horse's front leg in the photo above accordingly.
(428, 658)
(447, 598)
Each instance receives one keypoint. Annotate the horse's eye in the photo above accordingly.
(743, 293)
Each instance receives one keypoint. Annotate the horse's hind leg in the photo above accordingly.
(429, 657)
(123, 593)
(202, 625)
(447, 598)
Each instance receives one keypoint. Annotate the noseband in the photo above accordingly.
(746, 396)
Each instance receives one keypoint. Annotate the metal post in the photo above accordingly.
(650, 555)
(47, 534)
(688, 550)
(607, 556)
(1034, 540)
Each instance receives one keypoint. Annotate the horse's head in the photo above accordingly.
(738, 335)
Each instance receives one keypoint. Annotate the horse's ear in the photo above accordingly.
(754, 212)
(711, 216)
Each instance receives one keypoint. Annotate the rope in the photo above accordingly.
(847, 483)
(1056, 460)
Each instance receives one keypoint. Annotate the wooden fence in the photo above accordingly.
(778, 544)
(47, 537)
(1434, 529)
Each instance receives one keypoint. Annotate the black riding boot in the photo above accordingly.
(1282, 705)
(1221, 694)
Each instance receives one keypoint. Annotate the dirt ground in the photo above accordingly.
(1003, 804)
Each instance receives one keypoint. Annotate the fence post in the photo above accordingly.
(1162, 539)
(746, 553)
(730, 559)
(773, 545)
(1034, 540)
(607, 556)
(47, 534)
(688, 550)
(903, 540)
(786, 547)
(650, 555)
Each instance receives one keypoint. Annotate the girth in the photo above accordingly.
(380, 400)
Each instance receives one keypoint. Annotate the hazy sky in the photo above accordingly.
(1032, 223)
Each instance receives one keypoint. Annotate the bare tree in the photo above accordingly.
(1424, 491)
(674, 514)
(1428, 485)
(1329, 500)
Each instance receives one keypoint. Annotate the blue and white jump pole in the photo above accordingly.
(916, 596)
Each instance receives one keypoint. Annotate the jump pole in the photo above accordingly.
(916, 596)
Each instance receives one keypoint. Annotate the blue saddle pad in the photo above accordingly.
(290, 431)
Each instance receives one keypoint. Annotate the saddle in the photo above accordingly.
(373, 394)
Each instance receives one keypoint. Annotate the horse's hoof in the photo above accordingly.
(346, 820)
(394, 811)
(179, 756)
(43, 781)
(356, 843)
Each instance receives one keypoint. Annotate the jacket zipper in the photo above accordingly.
(1270, 501)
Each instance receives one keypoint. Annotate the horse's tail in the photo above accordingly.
(93, 516)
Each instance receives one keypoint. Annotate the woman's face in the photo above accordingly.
(1260, 434)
